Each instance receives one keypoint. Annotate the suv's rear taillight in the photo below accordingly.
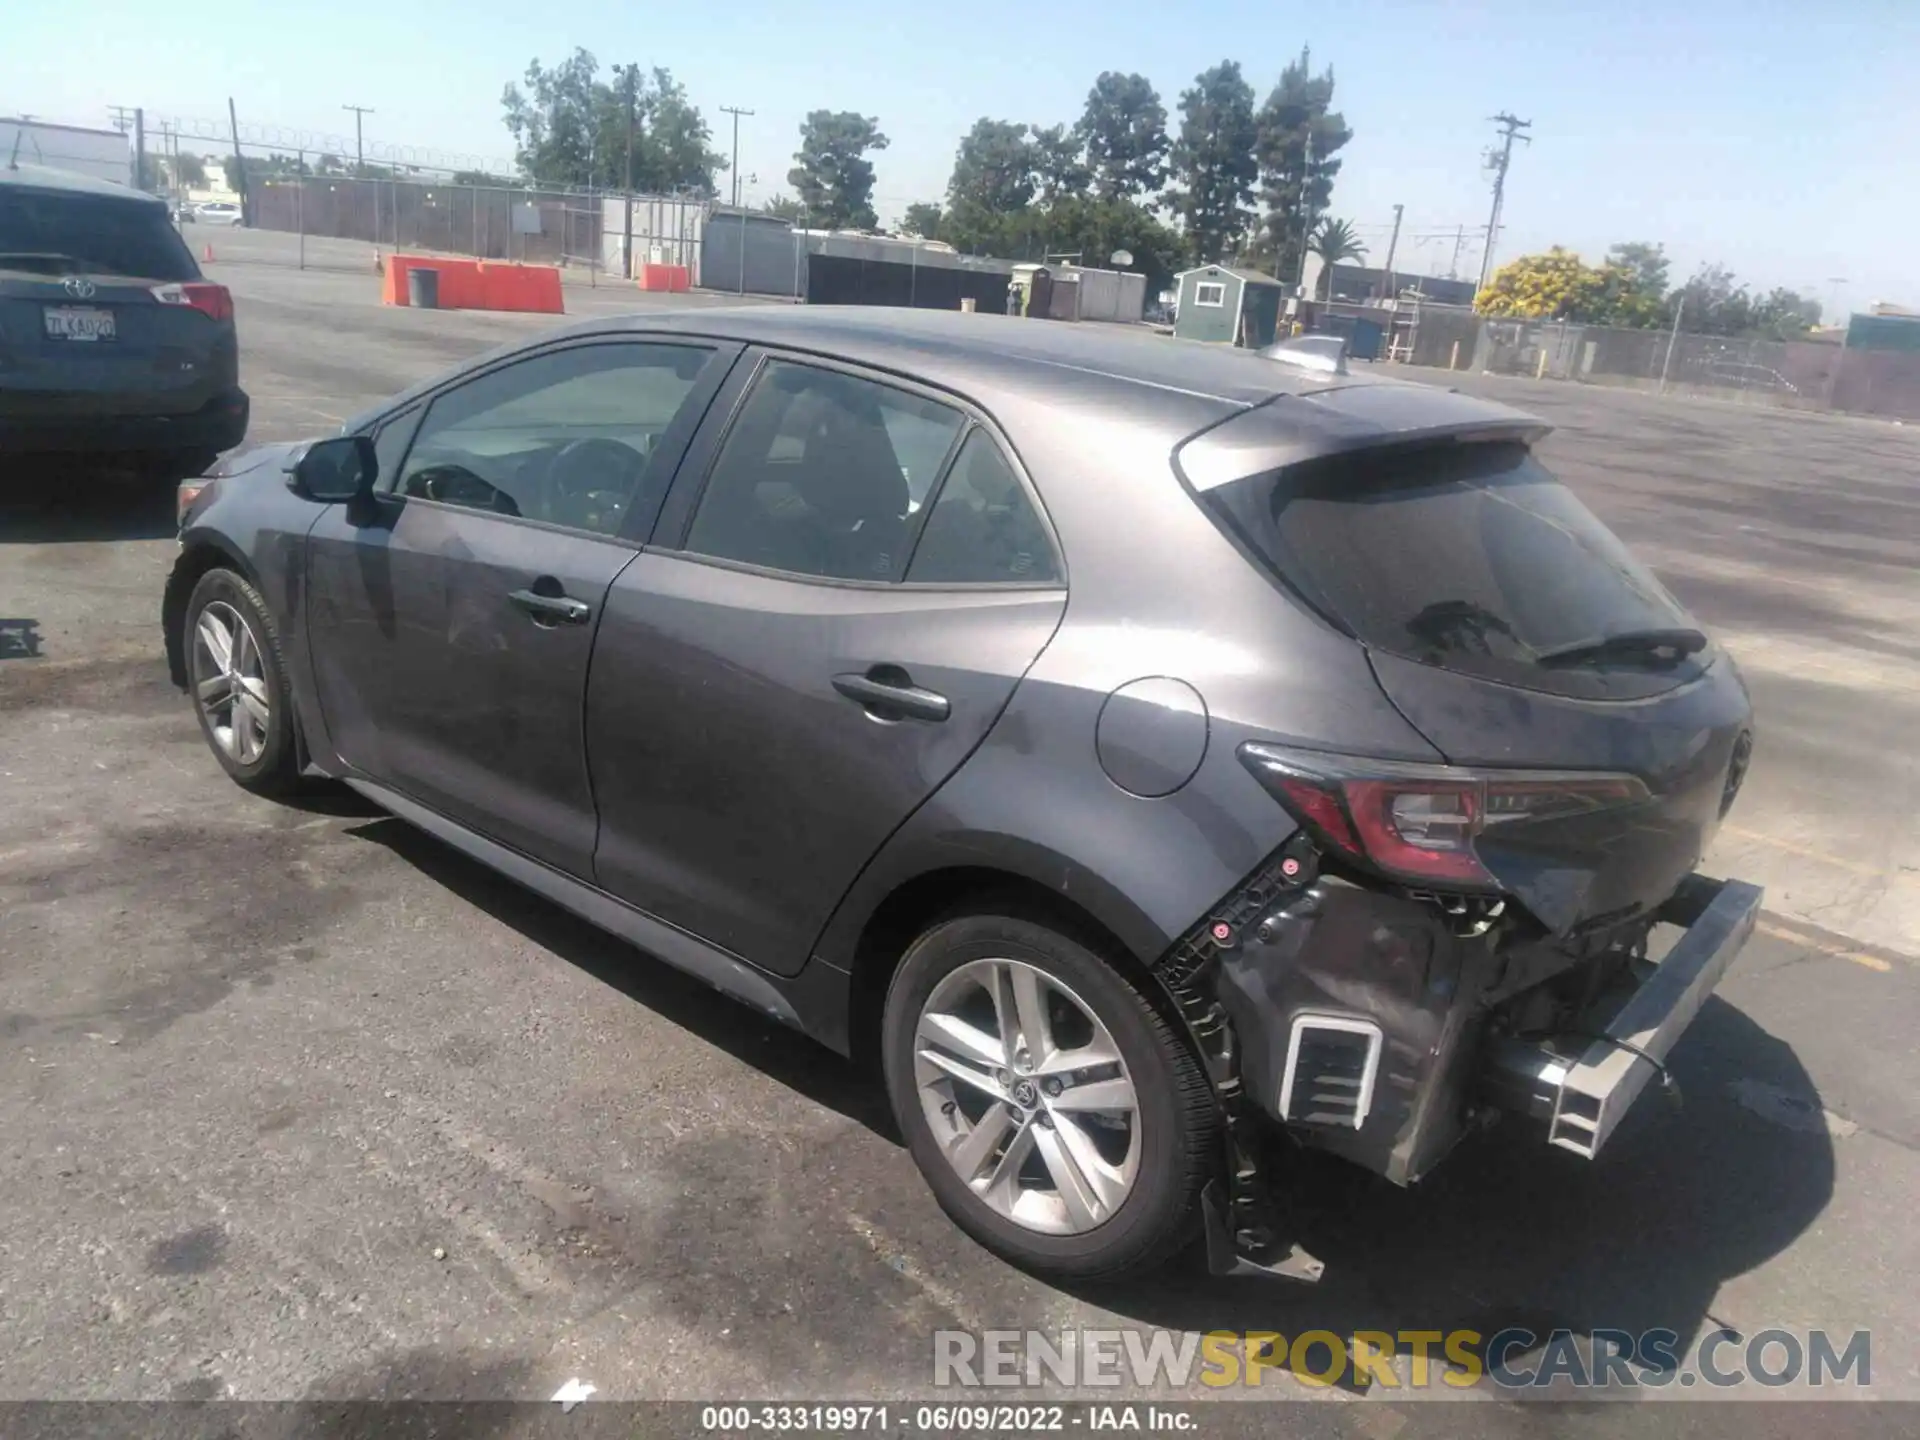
(213, 301)
(1419, 823)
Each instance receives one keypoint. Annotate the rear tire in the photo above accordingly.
(238, 681)
(1032, 1150)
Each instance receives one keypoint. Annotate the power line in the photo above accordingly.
(1498, 161)
(736, 112)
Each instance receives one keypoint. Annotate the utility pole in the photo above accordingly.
(1459, 243)
(1306, 210)
(1498, 161)
(1834, 283)
(239, 165)
(359, 139)
(139, 148)
(1392, 245)
(633, 106)
(736, 112)
(1673, 339)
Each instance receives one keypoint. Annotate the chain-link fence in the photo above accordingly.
(491, 223)
(1806, 374)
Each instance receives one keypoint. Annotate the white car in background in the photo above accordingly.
(218, 212)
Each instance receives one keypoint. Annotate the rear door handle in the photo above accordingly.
(888, 693)
(551, 609)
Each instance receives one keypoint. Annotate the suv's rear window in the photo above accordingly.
(1472, 557)
(47, 233)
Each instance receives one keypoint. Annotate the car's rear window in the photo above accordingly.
(47, 233)
(1468, 556)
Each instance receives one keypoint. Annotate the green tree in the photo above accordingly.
(571, 128)
(1060, 162)
(1648, 264)
(993, 170)
(1124, 127)
(786, 208)
(1300, 136)
(1335, 241)
(1785, 314)
(923, 219)
(1213, 161)
(677, 156)
(833, 176)
(1715, 303)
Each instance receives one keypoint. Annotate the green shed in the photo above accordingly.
(1229, 306)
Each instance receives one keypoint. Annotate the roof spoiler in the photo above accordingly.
(1290, 430)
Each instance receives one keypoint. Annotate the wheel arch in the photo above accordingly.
(200, 552)
(923, 900)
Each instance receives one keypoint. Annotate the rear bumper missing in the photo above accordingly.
(1582, 1082)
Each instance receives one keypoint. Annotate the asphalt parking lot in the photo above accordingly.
(296, 1103)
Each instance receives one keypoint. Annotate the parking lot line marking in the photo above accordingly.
(1826, 858)
(1780, 932)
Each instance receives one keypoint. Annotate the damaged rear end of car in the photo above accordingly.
(1518, 926)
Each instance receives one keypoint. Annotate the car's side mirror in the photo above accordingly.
(342, 467)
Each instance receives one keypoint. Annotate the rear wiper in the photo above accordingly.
(1676, 643)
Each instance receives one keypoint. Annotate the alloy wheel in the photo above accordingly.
(1027, 1095)
(229, 682)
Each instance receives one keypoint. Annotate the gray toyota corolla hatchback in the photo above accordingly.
(1144, 751)
(113, 346)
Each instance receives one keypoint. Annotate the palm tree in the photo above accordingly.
(1333, 242)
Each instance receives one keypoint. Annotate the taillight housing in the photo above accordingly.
(213, 301)
(1421, 823)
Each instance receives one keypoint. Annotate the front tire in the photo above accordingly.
(1059, 1119)
(238, 681)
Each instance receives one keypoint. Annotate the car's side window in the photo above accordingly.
(983, 528)
(566, 437)
(817, 475)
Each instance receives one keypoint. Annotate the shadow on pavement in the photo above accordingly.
(52, 502)
(1509, 1233)
(1506, 1233)
(781, 1053)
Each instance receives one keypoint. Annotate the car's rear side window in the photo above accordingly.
(983, 530)
(1472, 557)
(49, 233)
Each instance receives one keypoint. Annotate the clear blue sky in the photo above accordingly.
(1776, 136)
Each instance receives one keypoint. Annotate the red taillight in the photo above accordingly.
(213, 301)
(1419, 822)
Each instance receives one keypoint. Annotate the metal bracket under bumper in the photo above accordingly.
(1583, 1098)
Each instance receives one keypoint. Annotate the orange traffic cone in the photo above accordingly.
(206, 254)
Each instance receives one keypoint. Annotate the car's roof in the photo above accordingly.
(949, 346)
(1088, 366)
(46, 178)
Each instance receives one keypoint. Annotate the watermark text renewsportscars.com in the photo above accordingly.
(1512, 1359)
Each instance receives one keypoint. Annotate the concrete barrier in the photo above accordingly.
(669, 278)
(478, 284)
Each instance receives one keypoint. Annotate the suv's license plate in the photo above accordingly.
(73, 322)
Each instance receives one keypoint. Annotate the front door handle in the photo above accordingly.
(888, 693)
(551, 609)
